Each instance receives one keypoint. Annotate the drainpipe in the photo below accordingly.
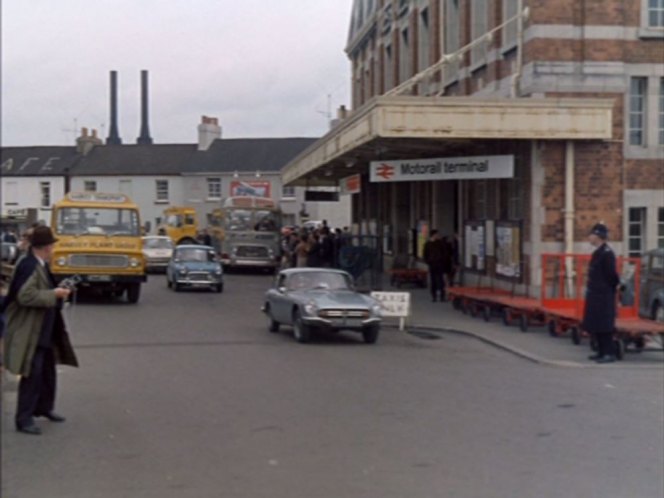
(516, 77)
(569, 212)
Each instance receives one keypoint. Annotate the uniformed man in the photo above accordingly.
(599, 317)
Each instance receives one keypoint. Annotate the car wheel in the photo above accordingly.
(301, 331)
(133, 293)
(370, 334)
(169, 284)
(219, 288)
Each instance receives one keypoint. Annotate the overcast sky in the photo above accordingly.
(265, 68)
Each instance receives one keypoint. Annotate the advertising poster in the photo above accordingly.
(241, 188)
(508, 250)
(474, 246)
(422, 237)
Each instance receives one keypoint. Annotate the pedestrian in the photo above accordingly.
(326, 248)
(36, 337)
(599, 316)
(315, 247)
(453, 247)
(302, 251)
(448, 264)
(434, 256)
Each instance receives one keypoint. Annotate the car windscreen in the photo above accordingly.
(194, 255)
(239, 220)
(97, 221)
(157, 244)
(318, 280)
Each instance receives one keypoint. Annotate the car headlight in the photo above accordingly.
(61, 261)
(217, 271)
(134, 263)
(377, 309)
(182, 270)
(310, 308)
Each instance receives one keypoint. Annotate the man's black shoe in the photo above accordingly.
(594, 357)
(29, 429)
(433, 299)
(606, 359)
(53, 417)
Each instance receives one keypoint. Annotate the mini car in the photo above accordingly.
(194, 266)
(320, 299)
(157, 251)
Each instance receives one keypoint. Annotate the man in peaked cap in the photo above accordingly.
(599, 317)
(36, 337)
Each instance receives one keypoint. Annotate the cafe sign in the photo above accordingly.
(448, 168)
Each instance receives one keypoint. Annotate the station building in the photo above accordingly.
(516, 124)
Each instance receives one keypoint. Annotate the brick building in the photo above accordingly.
(567, 95)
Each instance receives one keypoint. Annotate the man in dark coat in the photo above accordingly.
(435, 255)
(36, 337)
(599, 317)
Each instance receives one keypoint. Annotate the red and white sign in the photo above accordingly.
(350, 185)
(240, 188)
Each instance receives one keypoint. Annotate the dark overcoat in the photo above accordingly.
(599, 316)
(30, 295)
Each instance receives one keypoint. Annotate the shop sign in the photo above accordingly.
(350, 185)
(448, 168)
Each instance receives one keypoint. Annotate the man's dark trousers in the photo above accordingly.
(437, 282)
(36, 393)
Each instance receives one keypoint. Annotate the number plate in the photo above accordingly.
(99, 278)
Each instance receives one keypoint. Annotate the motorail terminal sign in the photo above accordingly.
(449, 168)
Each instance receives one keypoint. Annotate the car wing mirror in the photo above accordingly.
(282, 290)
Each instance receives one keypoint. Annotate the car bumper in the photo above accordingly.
(101, 279)
(260, 263)
(341, 323)
(198, 281)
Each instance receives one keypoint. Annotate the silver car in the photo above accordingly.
(311, 299)
(157, 251)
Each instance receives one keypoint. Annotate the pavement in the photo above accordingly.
(536, 344)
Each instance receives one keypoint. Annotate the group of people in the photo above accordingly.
(442, 257)
(317, 248)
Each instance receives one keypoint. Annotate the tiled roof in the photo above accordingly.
(37, 161)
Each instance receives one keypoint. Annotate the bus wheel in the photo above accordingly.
(133, 292)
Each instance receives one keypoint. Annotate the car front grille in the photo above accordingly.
(99, 260)
(251, 252)
(344, 314)
(199, 276)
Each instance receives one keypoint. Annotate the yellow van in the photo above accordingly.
(100, 241)
(180, 224)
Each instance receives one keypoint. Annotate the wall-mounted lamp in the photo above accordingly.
(350, 163)
(236, 174)
(258, 174)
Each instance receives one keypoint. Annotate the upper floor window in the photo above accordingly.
(288, 192)
(480, 23)
(423, 49)
(90, 186)
(451, 37)
(656, 13)
(45, 190)
(404, 57)
(637, 231)
(510, 8)
(389, 68)
(161, 190)
(638, 91)
(214, 188)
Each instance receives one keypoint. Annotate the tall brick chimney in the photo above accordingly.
(113, 135)
(144, 138)
(85, 143)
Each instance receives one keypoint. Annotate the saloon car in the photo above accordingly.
(157, 251)
(320, 299)
(194, 266)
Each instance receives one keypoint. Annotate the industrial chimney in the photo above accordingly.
(144, 138)
(113, 135)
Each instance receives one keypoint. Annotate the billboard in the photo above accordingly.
(240, 188)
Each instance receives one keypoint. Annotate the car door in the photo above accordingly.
(280, 305)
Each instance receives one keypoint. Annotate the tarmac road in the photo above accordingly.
(188, 395)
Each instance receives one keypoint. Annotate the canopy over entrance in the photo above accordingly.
(400, 127)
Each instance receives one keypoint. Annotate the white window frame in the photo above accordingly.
(160, 198)
(90, 183)
(45, 195)
(651, 148)
(647, 30)
(641, 225)
(388, 68)
(509, 39)
(638, 99)
(213, 188)
(287, 193)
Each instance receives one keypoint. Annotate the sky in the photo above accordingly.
(265, 68)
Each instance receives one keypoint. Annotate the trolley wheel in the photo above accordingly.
(507, 317)
(575, 335)
(523, 323)
(619, 349)
(473, 310)
(639, 344)
(486, 313)
(552, 328)
(456, 303)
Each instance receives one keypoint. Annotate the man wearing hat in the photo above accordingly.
(599, 317)
(36, 336)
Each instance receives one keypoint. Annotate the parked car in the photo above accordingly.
(194, 266)
(157, 251)
(652, 285)
(312, 299)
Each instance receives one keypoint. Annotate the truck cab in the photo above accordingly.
(180, 224)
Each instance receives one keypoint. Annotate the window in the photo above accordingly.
(389, 68)
(126, 188)
(288, 192)
(510, 8)
(45, 189)
(10, 194)
(90, 186)
(214, 188)
(162, 190)
(637, 110)
(424, 40)
(656, 13)
(660, 227)
(636, 235)
(479, 19)
(404, 57)
(451, 38)
(661, 112)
